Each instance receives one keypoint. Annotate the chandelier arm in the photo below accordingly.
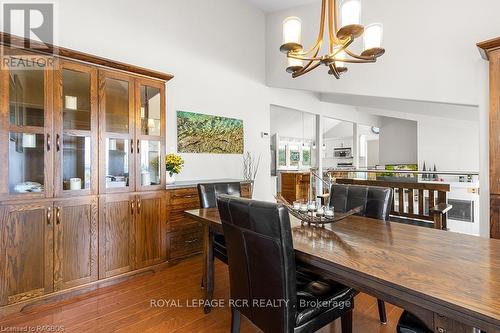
(344, 47)
(311, 60)
(335, 8)
(315, 49)
(334, 70)
(319, 39)
(331, 36)
(356, 61)
(360, 57)
(304, 70)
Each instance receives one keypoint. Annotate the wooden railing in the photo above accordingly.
(409, 199)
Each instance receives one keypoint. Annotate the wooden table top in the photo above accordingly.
(445, 270)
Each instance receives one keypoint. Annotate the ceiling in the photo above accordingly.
(270, 6)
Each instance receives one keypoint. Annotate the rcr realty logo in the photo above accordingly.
(33, 21)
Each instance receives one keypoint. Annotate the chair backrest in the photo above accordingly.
(208, 192)
(376, 201)
(261, 261)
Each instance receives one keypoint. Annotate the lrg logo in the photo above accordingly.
(32, 21)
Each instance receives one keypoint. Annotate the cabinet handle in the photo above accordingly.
(191, 241)
(131, 146)
(138, 145)
(138, 206)
(58, 142)
(185, 196)
(48, 142)
(58, 215)
(49, 216)
(132, 205)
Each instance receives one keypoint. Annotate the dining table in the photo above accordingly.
(451, 281)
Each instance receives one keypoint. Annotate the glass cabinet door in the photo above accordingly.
(150, 123)
(150, 152)
(117, 126)
(76, 130)
(117, 163)
(25, 140)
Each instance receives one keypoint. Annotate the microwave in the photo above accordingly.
(342, 152)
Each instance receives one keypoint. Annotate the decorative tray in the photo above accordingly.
(311, 217)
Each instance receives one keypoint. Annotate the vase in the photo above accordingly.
(170, 178)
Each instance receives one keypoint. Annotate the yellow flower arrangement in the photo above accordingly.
(173, 163)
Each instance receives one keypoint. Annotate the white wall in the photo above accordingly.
(292, 123)
(398, 142)
(191, 39)
(372, 158)
(450, 145)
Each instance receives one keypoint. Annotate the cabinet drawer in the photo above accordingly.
(185, 243)
(182, 197)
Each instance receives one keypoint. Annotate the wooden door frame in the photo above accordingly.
(59, 131)
(103, 135)
(161, 139)
(48, 255)
(46, 130)
(102, 221)
(59, 284)
(162, 241)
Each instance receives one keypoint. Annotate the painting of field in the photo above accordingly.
(201, 133)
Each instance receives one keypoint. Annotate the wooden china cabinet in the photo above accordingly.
(490, 50)
(82, 140)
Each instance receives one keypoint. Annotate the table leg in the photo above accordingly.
(208, 269)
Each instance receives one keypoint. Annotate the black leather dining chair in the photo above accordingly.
(376, 202)
(262, 272)
(207, 193)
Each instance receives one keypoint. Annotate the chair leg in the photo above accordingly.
(381, 312)
(235, 321)
(346, 322)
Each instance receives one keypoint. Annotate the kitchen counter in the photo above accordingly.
(194, 183)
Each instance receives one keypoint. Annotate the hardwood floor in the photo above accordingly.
(126, 307)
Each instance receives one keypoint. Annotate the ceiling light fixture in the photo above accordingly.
(339, 40)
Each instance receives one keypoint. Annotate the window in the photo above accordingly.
(306, 156)
(282, 156)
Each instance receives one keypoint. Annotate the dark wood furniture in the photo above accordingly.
(449, 280)
(82, 184)
(490, 50)
(184, 234)
(295, 185)
(410, 199)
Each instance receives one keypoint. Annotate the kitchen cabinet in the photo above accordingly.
(26, 251)
(82, 185)
(116, 234)
(26, 129)
(75, 130)
(150, 229)
(75, 242)
(132, 231)
(185, 235)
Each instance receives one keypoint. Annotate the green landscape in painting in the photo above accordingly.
(201, 133)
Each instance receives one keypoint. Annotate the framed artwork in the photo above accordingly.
(201, 133)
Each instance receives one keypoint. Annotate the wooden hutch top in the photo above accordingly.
(52, 50)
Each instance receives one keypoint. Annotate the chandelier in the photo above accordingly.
(302, 61)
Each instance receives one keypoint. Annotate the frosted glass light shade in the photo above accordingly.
(373, 36)
(350, 12)
(292, 30)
